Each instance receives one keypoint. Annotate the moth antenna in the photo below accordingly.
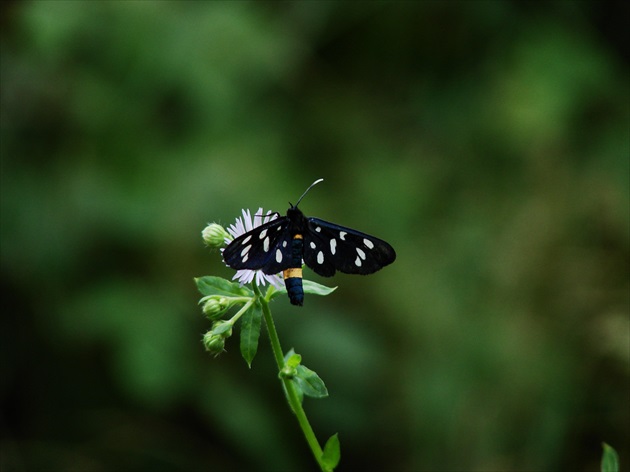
(305, 192)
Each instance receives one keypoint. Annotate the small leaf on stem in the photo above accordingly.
(211, 285)
(250, 332)
(310, 287)
(610, 459)
(310, 383)
(332, 452)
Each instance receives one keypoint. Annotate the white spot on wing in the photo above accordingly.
(246, 257)
(278, 256)
(284, 244)
(333, 246)
(313, 246)
(368, 243)
(342, 235)
(320, 257)
(262, 234)
(246, 250)
(246, 239)
(358, 262)
(318, 229)
(361, 253)
(266, 244)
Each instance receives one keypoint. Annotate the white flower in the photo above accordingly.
(242, 226)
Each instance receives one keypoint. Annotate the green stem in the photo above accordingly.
(294, 401)
(241, 312)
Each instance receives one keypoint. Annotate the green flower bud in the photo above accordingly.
(214, 343)
(214, 306)
(214, 235)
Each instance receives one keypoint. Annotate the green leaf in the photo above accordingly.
(310, 287)
(221, 327)
(250, 332)
(332, 452)
(310, 383)
(211, 285)
(610, 459)
(317, 289)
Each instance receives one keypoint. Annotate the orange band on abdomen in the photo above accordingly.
(292, 273)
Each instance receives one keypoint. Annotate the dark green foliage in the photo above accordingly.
(486, 140)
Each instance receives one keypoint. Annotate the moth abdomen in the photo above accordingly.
(293, 275)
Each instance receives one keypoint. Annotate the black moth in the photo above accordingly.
(281, 244)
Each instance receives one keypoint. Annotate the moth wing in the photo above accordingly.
(329, 247)
(266, 247)
(317, 250)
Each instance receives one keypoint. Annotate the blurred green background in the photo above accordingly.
(487, 141)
